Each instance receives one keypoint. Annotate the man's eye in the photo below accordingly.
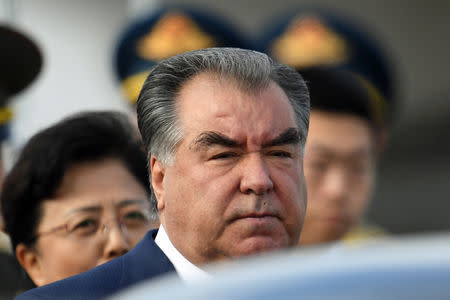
(224, 155)
(281, 154)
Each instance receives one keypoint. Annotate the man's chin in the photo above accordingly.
(258, 244)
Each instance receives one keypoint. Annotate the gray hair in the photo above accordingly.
(249, 70)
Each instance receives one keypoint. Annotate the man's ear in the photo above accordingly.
(29, 259)
(157, 172)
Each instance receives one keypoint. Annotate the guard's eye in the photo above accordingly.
(360, 168)
(319, 166)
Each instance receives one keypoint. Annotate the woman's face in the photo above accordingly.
(99, 212)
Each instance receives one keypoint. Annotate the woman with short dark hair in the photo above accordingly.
(77, 196)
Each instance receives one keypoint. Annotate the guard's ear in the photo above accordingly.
(30, 261)
(157, 171)
(381, 140)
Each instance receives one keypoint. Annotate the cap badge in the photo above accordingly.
(173, 34)
(308, 42)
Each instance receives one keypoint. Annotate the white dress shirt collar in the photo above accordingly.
(185, 269)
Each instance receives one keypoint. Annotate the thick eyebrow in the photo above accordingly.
(290, 136)
(209, 138)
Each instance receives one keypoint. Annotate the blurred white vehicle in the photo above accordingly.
(414, 267)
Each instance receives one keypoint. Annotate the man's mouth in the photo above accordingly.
(257, 217)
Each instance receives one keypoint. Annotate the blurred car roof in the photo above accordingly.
(411, 267)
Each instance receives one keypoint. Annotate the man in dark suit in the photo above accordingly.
(225, 130)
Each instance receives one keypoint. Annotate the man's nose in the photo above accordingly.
(117, 242)
(255, 175)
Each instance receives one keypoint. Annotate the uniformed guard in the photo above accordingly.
(169, 31)
(307, 38)
(21, 62)
(351, 83)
